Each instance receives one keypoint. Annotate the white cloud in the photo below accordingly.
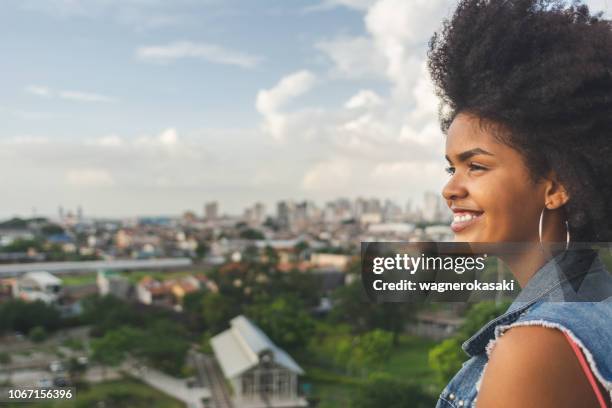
(25, 140)
(401, 31)
(38, 90)
(89, 177)
(270, 101)
(328, 175)
(78, 96)
(354, 57)
(186, 49)
(85, 96)
(112, 140)
(168, 137)
(364, 99)
(331, 4)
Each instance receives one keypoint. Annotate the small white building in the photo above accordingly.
(110, 282)
(33, 286)
(261, 374)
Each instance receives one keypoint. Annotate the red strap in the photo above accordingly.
(587, 371)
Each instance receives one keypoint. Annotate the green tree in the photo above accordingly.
(193, 304)
(23, 245)
(271, 255)
(38, 334)
(382, 390)
(364, 352)
(52, 229)
(251, 233)
(164, 347)
(5, 358)
(353, 307)
(217, 310)
(17, 315)
(374, 348)
(446, 358)
(284, 319)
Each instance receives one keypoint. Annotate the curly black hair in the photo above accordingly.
(541, 70)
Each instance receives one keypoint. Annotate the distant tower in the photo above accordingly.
(61, 213)
(79, 214)
(285, 214)
(211, 210)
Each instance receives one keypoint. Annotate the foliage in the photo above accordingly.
(217, 310)
(22, 245)
(52, 229)
(367, 351)
(479, 315)
(447, 357)
(284, 320)
(17, 315)
(162, 346)
(5, 358)
(353, 307)
(108, 313)
(382, 390)
(271, 255)
(193, 304)
(38, 334)
(251, 233)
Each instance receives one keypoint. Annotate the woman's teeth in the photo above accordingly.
(464, 217)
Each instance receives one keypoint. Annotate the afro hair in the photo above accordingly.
(542, 71)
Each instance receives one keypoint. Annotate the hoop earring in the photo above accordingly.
(567, 230)
(567, 235)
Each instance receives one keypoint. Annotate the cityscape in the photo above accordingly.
(211, 310)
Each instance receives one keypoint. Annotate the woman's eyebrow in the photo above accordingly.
(463, 156)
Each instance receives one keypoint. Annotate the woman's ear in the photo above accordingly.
(555, 194)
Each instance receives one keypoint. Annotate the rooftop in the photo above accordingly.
(239, 348)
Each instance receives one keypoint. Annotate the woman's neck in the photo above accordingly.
(526, 263)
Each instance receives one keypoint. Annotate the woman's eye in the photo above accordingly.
(476, 167)
(450, 170)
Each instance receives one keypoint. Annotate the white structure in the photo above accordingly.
(34, 286)
(261, 374)
(109, 282)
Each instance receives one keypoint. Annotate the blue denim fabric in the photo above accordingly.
(573, 293)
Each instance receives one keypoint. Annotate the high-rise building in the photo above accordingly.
(285, 214)
(211, 210)
(259, 212)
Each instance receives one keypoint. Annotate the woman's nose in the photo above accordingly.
(454, 189)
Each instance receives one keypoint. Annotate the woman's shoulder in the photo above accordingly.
(534, 365)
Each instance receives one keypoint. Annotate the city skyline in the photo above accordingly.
(427, 205)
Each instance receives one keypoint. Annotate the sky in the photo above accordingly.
(154, 107)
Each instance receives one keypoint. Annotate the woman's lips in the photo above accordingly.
(464, 219)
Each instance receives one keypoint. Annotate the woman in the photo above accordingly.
(526, 89)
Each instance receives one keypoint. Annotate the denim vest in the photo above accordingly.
(572, 293)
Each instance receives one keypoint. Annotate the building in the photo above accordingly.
(337, 261)
(168, 293)
(110, 282)
(261, 374)
(34, 286)
(211, 211)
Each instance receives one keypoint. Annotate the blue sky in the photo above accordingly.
(130, 107)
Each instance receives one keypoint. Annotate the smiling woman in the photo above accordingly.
(526, 91)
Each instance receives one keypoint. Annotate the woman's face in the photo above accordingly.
(490, 191)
